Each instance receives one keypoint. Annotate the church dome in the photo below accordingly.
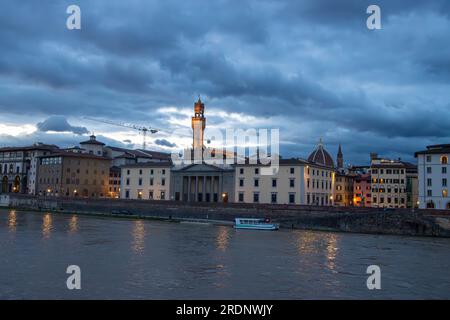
(321, 156)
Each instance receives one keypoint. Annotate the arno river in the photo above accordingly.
(137, 259)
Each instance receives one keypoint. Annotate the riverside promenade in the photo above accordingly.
(417, 222)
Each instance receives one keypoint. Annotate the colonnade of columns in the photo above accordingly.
(203, 188)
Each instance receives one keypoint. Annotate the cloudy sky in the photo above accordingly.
(310, 68)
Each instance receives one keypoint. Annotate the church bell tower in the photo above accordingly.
(340, 158)
(198, 128)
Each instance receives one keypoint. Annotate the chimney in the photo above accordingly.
(373, 156)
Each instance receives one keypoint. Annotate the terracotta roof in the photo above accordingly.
(321, 156)
(285, 162)
(141, 153)
(75, 155)
(435, 149)
(92, 140)
(38, 146)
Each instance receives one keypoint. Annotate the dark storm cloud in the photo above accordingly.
(60, 124)
(165, 143)
(310, 65)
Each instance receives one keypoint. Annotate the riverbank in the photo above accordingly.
(123, 216)
(338, 219)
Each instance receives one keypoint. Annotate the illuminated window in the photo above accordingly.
(444, 160)
(444, 193)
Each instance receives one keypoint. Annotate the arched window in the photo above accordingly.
(444, 160)
(430, 205)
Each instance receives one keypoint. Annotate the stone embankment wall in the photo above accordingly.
(347, 219)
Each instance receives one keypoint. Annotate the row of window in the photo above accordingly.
(444, 159)
(18, 154)
(68, 170)
(95, 163)
(152, 180)
(388, 190)
(256, 171)
(163, 171)
(274, 183)
(443, 170)
(430, 182)
(140, 194)
(316, 183)
(273, 197)
(346, 188)
(388, 171)
(375, 180)
(318, 200)
(317, 172)
(9, 169)
(76, 193)
(359, 187)
(54, 180)
(388, 200)
(444, 193)
(51, 161)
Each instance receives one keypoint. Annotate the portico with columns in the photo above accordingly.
(203, 183)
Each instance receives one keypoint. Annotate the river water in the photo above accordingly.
(142, 259)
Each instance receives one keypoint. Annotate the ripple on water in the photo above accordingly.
(147, 259)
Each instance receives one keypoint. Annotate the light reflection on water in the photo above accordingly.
(223, 233)
(47, 225)
(12, 221)
(138, 244)
(73, 224)
(332, 251)
(124, 259)
(310, 244)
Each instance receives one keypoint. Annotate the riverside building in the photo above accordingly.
(146, 181)
(389, 182)
(434, 177)
(71, 174)
(18, 167)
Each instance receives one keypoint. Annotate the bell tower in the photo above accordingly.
(340, 158)
(198, 127)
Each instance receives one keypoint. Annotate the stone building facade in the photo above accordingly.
(434, 177)
(362, 190)
(389, 182)
(72, 174)
(146, 181)
(286, 186)
(18, 167)
(344, 189)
